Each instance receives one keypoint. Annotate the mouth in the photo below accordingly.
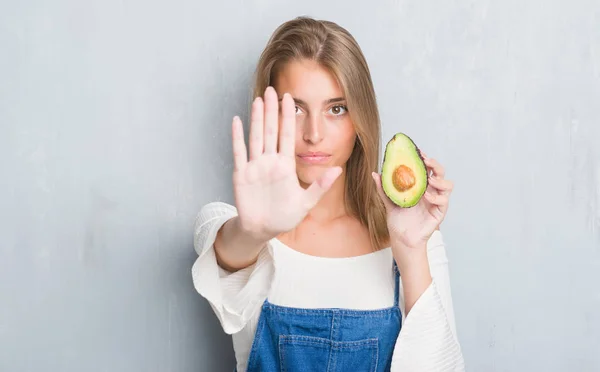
(314, 157)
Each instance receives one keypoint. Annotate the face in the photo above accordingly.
(325, 135)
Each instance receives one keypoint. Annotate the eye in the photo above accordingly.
(298, 110)
(338, 110)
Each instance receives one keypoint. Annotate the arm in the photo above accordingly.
(415, 273)
(235, 266)
(428, 339)
(411, 228)
(233, 296)
(235, 247)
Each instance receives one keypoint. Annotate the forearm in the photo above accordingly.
(414, 269)
(236, 248)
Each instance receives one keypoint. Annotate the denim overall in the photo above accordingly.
(328, 340)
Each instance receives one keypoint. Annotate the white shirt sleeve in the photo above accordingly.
(428, 339)
(234, 297)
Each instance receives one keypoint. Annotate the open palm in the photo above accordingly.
(268, 195)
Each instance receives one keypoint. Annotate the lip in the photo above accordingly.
(314, 157)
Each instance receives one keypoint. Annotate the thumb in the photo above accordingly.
(384, 198)
(318, 188)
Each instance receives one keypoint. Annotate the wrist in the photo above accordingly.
(410, 250)
(252, 234)
(411, 260)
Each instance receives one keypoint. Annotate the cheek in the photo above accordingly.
(345, 138)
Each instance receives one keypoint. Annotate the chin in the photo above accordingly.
(309, 174)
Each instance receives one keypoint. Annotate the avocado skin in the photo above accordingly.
(420, 159)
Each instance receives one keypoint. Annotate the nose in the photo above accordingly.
(313, 129)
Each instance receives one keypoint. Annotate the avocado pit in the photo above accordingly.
(403, 178)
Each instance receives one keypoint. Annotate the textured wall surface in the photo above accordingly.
(114, 131)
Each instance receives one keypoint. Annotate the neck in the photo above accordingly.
(333, 204)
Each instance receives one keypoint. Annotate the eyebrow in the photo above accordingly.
(327, 102)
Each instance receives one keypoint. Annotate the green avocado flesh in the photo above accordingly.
(403, 174)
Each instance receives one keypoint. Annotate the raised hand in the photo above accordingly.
(268, 195)
(412, 227)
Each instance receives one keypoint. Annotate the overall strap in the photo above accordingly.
(397, 284)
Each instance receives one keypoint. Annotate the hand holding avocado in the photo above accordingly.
(413, 190)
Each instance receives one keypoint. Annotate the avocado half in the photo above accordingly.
(403, 174)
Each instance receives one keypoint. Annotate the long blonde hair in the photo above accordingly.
(334, 48)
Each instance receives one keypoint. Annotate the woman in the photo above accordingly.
(304, 271)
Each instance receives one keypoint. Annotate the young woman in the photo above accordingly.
(314, 269)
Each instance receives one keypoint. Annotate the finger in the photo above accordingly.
(256, 129)
(318, 188)
(239, 146)
(438, 207)
(439, 200)
(435, 166)
(384, 198)
(441, 185)
(271, 120)
(287, 140)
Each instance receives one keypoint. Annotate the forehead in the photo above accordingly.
(307, 80)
